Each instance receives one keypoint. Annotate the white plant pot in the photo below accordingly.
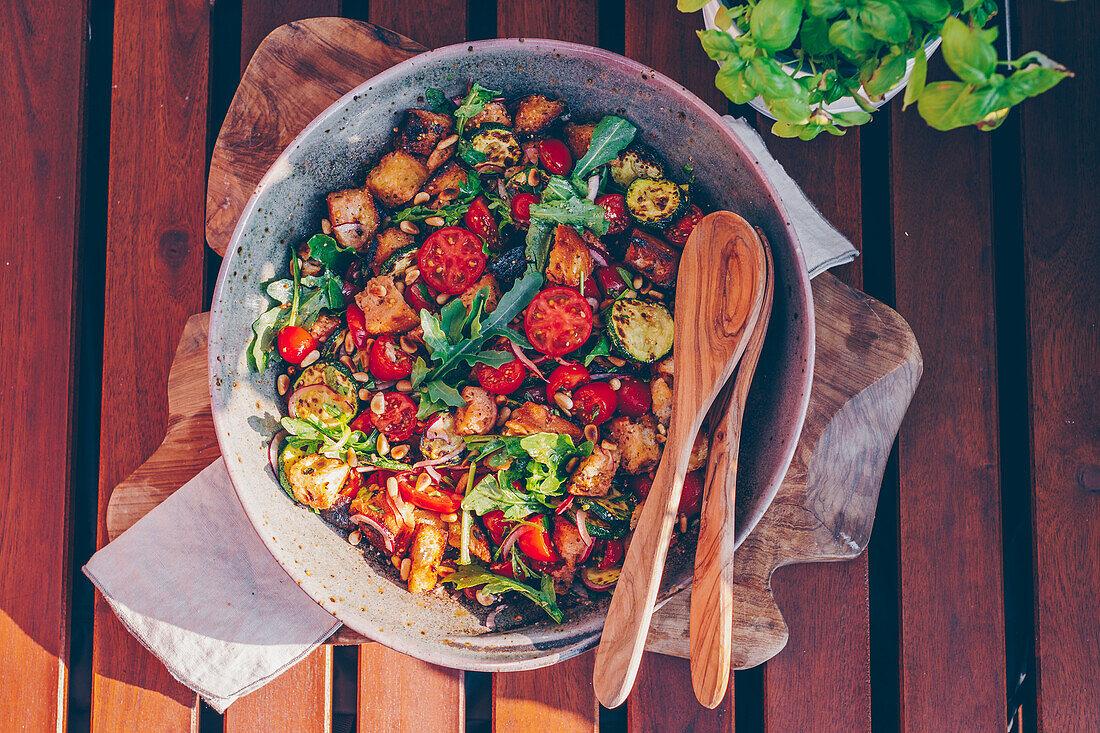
(841, 105)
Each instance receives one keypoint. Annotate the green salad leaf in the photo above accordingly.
(575, 211)
(475, 101)
(611, 136)
(473, 575)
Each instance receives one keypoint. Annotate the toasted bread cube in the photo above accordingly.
(594, 473)
(647, 255)
(389, 241)
(578, 138)
(397, 178)
(531, 417)
(660, 392)
(569, 260)
(422, 131)
(485, 282)
(478, 415)
(637, 441)
(317, 480)
(445, 185)
(494, 112)
(353, 216)
(385, 308)
(536, 113)
(426, 552)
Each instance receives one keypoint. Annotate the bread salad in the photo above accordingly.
(475, 350)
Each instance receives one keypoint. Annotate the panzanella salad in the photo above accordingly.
(475, 349)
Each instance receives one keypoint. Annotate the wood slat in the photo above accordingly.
(949, 514)
(824, 671)
(260, 17)
(42, 56)
(399, 694)
(433, 24)
(154, 282)
(663, 700)
(575, 21)
(1061, 216)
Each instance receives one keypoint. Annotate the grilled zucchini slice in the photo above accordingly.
(498, 144)
(655, 202)
(333, 375)
(608, 517)
(289, 455)
(637, 161)
(640, 330)
(400, 260)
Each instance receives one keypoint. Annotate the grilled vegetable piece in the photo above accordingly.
(608, 517)
(594, 473)
(510, 264)
(440, 438)
(637, 161)
(479, 414)
(316, 480)
(397, 178)
(287, 456)
(530, 418)
(578, 138)
(655, 202)
(637, 441)
(569, 261)
(335, 375)
(647, 255)
(536, 113)
(493, 112)
(385, 307)
(400, 260)
(353, 216)
(479, 546)
(426, 552)
(422, 131)
(323, 327)
(322, 403)
(487, 283)
(389, 241)
(499, 145)
(640, 330)
(445, 185)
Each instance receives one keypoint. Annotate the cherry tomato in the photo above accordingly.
(352, 485)
(451, 260)
(364, 424)
(594, 403)
(480, 221)
(640, 485)
(504, 567)
(535, 543)
(590, 289)
(558, 321)
(691, 497)
(387, 361)
(418, 297)
(566, 377)
(496, 525)
(679, 232)
(555, 156)
(634, 396)
(521, 207)
(295, 343)
(611, 281)
(398, 419)
(612, 555)
(431, 497)
(357, 325)
(504, 379)
(614, 210)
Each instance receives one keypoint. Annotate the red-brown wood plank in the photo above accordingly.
(42, 57)
(824, 671)
(260, 17)
(1061, 221)
(949, 515)
(154, 268)
(663, 700)
(433, 24)
(575, 21)
(399, 694)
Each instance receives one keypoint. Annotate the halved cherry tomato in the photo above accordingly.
(451, 259)
(558, 321)
(612, 555)
(504, 567)
(640, 485)
(418, 297)
(295, 343)
(691, 497)
(496, 525)
(611, 281)
(431, 497)
(590, 289)
(504, 379)
(387, 361)
(594, 403)
(566, 378)
(352, 484)
(521, 207)
(535, 542)
(480, 221)
(614, 210)
(555, 156)
(363, 423)
(634, 396)
(679, 232)
(398, 418)
(357, 325)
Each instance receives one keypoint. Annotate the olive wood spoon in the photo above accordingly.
(711, 625)
(712, 307)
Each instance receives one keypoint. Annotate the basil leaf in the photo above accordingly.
(917, 79)
(611, 136)
(885, 20)
(852, 41)
(815, 37)
(602, 348)
(327, 251)
(968, 51)
(438, 101)
(731, 81)
(823, 9)
(774, 23)
(719, 45)
(930, 11)
(884, 74)
(1031, 82)
(939, 104)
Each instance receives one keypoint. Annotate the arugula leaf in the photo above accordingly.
(490, 358)
(576, 211)
(469, 155)
(267, 326)
(419, 371)
(471, 576)
(439, 391)
(610, 138)
(602, 348)
(474, 102)
(428, 408)
(438, 101)
(538, 244)
(561, 189)
(550, 452)
(493, 493)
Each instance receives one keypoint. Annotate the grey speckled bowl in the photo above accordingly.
(335, 151)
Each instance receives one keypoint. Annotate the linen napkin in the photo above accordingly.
(195, 584)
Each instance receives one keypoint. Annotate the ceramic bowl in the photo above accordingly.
(336, 151)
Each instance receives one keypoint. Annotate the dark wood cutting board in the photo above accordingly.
(868, 362)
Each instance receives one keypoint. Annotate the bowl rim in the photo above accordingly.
(442, 654)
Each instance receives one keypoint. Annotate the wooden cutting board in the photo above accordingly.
(868, 362)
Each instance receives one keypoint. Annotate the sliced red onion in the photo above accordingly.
(595, 304)
(510, 540)
(587, 553)
(562, 361)
(379, 386)
(563, 506)
(366, 469)
(593, 187)
(350, 226)
(526, 361)
(593, 585)
(598, 256)
(430, 470)
(502, 191)
(531, 154)
(380, 529)
(582, 527)
(401, 510)
(273, 450)
(303, 393)
(491, 619)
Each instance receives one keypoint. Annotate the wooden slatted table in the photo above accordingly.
(975, 604)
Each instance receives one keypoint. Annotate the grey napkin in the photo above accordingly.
(195, 584)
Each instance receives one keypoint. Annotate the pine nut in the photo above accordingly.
(563, 400)
(400, 285)
(407, 345)
(408, 227)
(423, 481)
(683, 524)
(353, 460)
(447, 142)
(361, 377)
(346, 361)
(411, 275)
(383, 445)
(349, 342)
(378, 404)
(485, 599)
(445, 570)
(660, 439)
(326, 226)
(637, 282)
(364, 394)
(406, 566)
(608, 445)
(421, 198)
(615, 384)
(591, 433)
(378, 290)
(503, 415)
(616, 361)
(403, 385)
(449, 518)
(501, 399)
(656, 294)
(391, 486)
(533, 177)
(435, 221)
(399, 451)
(311, 357)
(395, 560)
(442, 298)
(283, 383)
(355, 537)
(661, 429)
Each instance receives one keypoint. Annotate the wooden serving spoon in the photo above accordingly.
(712, 588)
(720, 267)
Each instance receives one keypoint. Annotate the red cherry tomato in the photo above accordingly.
(451, 260)
(504, 567)
(352, 485)
(364, 424)
(640, 485)
(295, 343)
(504, 379)
(535, 543)
(634, 396)
(590, 289)
(558, 321)
(398, 419)
(679, 232)
(418, 297)
(480, 221)
(388, 362)
(594, 403)
(691, 497)
(496, 525)
(431, 497)
(357, 325)
(614, 210)
(612, 555)
(611, 281)
(521, 207)
(555, 156)
(566, 377)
